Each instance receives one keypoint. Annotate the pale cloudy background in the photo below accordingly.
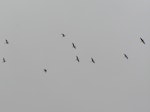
(102, 29)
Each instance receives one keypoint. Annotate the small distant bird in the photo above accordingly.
(125, 56)
(63, 35)
(4, 60)
(73, 45)
(77, 58)
(45, 70)
(142, 41)
(92, 60)
(7, 41)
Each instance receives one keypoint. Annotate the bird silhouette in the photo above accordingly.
(4, 60)
(7, 41)
(125, 56)
(63, 35)
(45, 70)
(73, 46)
(92, 60)
(142, 41)
(77, 58)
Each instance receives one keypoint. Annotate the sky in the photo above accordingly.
(101, 29)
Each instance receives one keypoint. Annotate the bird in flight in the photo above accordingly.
(63, 35)
(73, 45)
(4, 60)
(125, 56)
(45, 70)
(7, 41)
(92, 60)
(77, 58)
(142, 41)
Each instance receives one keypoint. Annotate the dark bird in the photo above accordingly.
(4, 60)
(77, 58)
(73, 45)
(63, 35)
(125, 56)
(92, 60)
(142, 41)
(7, 41)
(45, 70)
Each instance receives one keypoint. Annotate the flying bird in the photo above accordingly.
(92, 60)
(7, 41)
(4, 60)
(63, 35)
(142, 41)
(73, 45)
(45, 70)
(125, 56)
(77, 58)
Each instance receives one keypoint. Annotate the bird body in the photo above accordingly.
(7, 41)
(63, 35)
(45, 70)
(125, 56)
(73, 45)
(4, 60)
(92, 60)
(77, 58)
(142, 41)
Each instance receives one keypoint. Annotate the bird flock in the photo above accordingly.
(74, 46)
(6, 42)
(92, 60)
(125, 55)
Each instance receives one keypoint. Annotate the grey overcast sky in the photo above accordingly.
(102, 29)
